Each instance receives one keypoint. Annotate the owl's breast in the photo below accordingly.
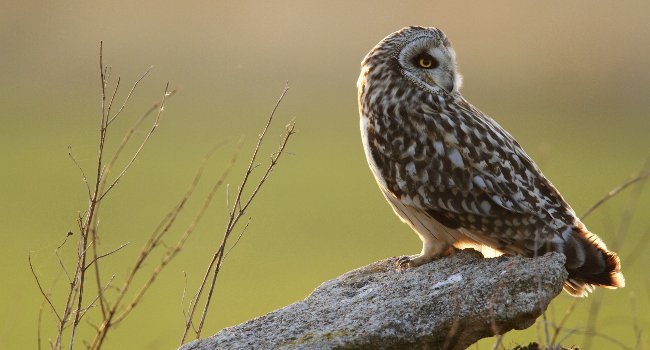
(376, 159)
(400, 159)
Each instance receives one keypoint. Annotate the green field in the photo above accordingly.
(570, 82)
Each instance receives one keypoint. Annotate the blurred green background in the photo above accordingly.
(570, 80)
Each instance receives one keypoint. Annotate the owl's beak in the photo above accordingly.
(449, 87)
(450, 81)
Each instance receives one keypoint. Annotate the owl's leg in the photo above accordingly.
(432, 249)
(436, 240)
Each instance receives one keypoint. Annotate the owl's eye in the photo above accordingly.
(426, 61)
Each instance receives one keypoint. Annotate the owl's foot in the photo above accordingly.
(429, 253)
(409, 261)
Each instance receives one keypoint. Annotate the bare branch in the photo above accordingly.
(98, 279)
(88, 222)
(107, 254)
(103, 76)
(173, 251)
(235, 214)
(109, 166)
(128, 97)
(38, 283)
(92, 303)
(290, 131)
(618, 189)
(602, 336)
(637, 328)
(83, 174)
(257, 147)
(137, 152)
(80, 272)
(154, 240)
(238, 238)
(39, 325)
(624, 225)
(638, 250)
(560, 326)
(569, 332)
(183, 295)
(110, 104)
(127, 137)
(58, 257)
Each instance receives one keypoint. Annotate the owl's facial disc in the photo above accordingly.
(426, 61)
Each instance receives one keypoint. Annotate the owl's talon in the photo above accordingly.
(403, 262)
(410, 261)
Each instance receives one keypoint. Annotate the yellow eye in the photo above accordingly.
(425, 62)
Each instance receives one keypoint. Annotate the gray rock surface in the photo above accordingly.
(449, 303)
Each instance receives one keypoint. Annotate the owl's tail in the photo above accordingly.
(589, 263)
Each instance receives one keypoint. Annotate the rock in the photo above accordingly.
(449, 303)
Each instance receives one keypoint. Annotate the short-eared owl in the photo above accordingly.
(454, 175)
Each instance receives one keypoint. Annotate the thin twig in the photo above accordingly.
(624, 225)
(183, 295)
(560, 326)
(83, 174)
(80, 272)
(38, 283)
(128, 97)
(92, 303)
(137, 152)
(603, 336)
(592, 319)
(238, 238)
(154, 240)
(110, 104)
(637, 329)
(98, 279)
(596, 301)
(628, 211)
(58, 257)
(105, 173)
(234, 216)
(618, 189)
(107, 169)
(173, 251)
(569, 333)
(39, 325)
(638, 250)
(127, 137)
(241, 211)
(107, 254)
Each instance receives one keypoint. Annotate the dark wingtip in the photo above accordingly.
(600, 268)
(614, 276)
(611, 276)
(580, 284)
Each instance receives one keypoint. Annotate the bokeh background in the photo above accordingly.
(570, 80)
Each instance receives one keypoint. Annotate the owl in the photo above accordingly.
(454, 175)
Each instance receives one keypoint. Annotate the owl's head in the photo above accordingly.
(421, 55)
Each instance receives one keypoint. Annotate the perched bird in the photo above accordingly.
(456, 176)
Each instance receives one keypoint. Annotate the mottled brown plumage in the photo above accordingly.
(453, 174)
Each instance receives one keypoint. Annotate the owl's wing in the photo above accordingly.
(465, 171)
(495, 180)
